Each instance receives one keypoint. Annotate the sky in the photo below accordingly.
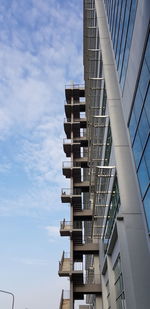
(40, 52)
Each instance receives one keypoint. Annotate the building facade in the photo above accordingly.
(107, 127)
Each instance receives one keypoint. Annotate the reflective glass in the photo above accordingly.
(137, 150)
(144, 79)
(132, 126)
(138, 102)
(147, 156)
(147, 208)
(143, 128)
(147, 105)
(117, 25)
(143, 177)
(120, 31)
(114, 23)
(147, 54)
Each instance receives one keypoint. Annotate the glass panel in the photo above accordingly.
(120, 31)
(132, 126)
(144, 79)
(138, 102)
(143, 177)
(143, 128)
(137, 149)
(147, 54)
(147, 156)
(147, 105)
(147, 208)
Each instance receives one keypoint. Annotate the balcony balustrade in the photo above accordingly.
(71, 196)
(91, 285)
(67, 228)
(72, 169)
(71, 146)
(69, 268)
(65, 300)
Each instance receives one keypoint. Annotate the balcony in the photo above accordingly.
(72, 169)
(82, 214)
(67, 228)
(75, 91)
(71, 196)
(82, 140)
(67, 268)
(70, 146)
(64, 265)
(86, 247)
(74, 109)
(91, 285)
(82, 185)
(65, 300)
(72, 126)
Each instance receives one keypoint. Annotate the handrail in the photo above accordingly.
(65, 295)
(75, 86)
(74, 225)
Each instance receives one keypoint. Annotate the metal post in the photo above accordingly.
(13, 297)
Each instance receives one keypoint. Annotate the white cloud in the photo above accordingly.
(30, 261)
(53, 232)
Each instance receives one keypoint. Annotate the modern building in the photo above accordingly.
(107, 130)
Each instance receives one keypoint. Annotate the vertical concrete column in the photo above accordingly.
(135, 255)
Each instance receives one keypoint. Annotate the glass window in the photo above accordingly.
(147, 208)
(147, 105)
(138, 102)
(147, 156)
(120, 31)
(132, 126)
(140, 120)
(120, 296)
(147, 54)
(143, 177)
(144, 79)
(143, 128)
(137, 150)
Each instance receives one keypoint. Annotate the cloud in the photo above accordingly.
(53, 232)
(31, 261)
(37, 56)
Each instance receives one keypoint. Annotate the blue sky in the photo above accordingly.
(40, 52)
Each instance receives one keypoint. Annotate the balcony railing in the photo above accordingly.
(91, 279)
(77, 266)
(65, 296)
(75, 86)
(77, 225)
(75, 120)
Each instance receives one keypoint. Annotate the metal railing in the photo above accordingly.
(75, 86)
(65, 295)
(72, 225)
(65, 255)
(77, 266)
(91, 279)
